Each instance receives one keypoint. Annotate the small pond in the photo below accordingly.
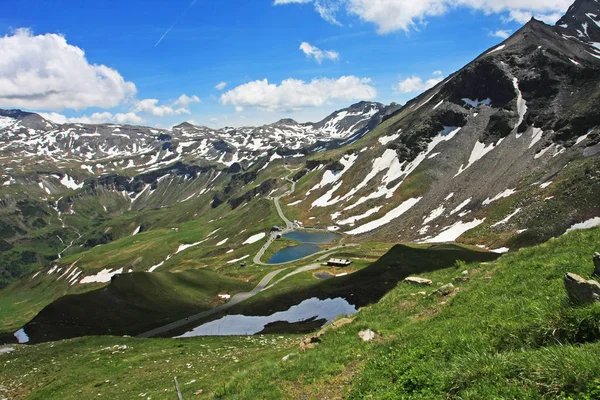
(310, 245)
(231, 325)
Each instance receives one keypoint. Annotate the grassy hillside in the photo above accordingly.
(508, 331)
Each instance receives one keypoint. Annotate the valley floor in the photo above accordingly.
(507, 330)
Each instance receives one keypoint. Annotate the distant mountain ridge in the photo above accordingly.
(28, 136)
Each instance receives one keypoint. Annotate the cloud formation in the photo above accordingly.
(417, 84)
(404, 15)
(221, 85)
(96, 118)
(501, 33)
(45, 72)
(150, 106)
(185, 100)
(294, 94)
(318, 54)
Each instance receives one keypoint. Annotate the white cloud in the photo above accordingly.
(96, 118)
(437, 73)
(45, 72)
(185, 100)
(221, 86)
(501, 33)
(150, 106)
(395, 15)
(294, 94)
(416, 84)
(522, 16)
(318, 54)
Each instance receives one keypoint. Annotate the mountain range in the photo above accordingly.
(502, 154)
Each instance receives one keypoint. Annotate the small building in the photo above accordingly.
(338, 262)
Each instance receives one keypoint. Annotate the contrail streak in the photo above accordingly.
(176, 22)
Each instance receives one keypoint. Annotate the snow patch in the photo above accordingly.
(102, 277)
(505, 220)
(479, 150)
(238, 259)
(255, 238)
(453, 232)
(501, 195)
(70, 183)
(590, 223)
(438, 212)
(391, 215)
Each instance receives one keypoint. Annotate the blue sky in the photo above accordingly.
(316, 55)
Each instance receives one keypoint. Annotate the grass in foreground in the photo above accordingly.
(508, 332)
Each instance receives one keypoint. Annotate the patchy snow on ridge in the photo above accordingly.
(521, 103)
(505, 220)
(387, 218)
(496, 49)
(387, 139)
(238, 259)
(397, 173)
(536, 136)
(479, 150)
(255, 238)
(6, 122)
(453, 232)
(501, 195)
(102, 277)
(222, 242)
(438, 212)
(461, 206)
(70, 183)
(590, 223)
(352, 220)
(330, 177)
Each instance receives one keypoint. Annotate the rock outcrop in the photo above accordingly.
(417, 281)
(580, 290)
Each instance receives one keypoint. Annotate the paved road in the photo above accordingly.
(263, 284)
(238, 298)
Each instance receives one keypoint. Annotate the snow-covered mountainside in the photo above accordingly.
(98, 149)
(502, 153)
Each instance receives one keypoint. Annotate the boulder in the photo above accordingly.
(309, 342)
(580, 290)
(597, 264)
(366, 335)
(341, 322)
(418, 281)
(445, 290)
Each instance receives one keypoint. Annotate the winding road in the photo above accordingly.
(264, 283)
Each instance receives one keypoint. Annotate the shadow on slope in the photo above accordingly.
(131, 304)
(366, 286)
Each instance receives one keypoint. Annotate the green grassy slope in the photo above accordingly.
(508, 332)
(132, 304)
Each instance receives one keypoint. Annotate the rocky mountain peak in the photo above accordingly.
(582, 21)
